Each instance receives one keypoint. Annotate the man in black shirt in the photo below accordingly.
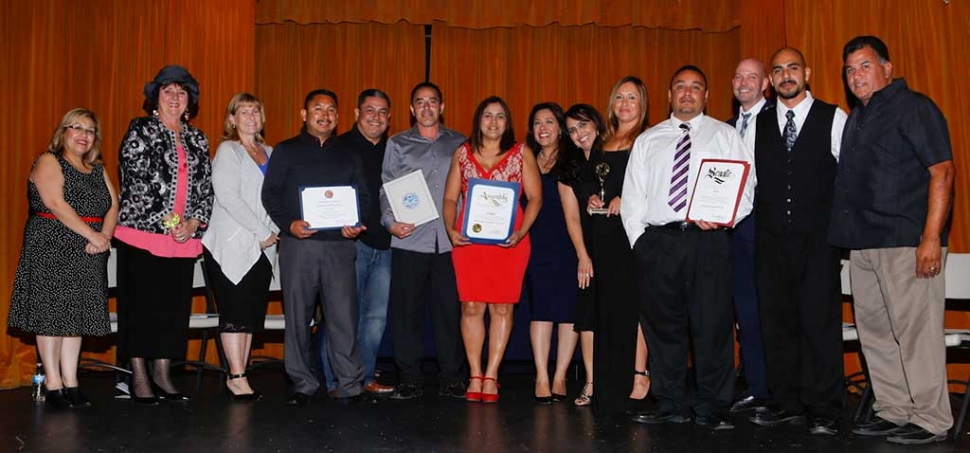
(893, 192)
(316, 265)
(368, 138)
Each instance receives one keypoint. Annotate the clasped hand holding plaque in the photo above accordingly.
(329, 207)
(717, 191)
(490, 210)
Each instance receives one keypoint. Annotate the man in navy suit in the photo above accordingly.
(749, 84)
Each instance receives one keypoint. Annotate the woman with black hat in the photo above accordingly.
(166, 199)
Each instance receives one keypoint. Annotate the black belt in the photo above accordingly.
(679, 226)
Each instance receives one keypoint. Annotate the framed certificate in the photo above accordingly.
(717, 191)
(490, 210)
(329, 207)
(410, 199)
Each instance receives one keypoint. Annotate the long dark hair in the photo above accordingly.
(563, 143)
(508, 137)
(574, 159)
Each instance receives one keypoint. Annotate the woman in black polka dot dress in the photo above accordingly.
(60, 289)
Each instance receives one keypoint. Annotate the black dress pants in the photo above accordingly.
(411, 274)
(800, 298)
(685, 298)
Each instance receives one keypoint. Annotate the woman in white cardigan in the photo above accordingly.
(240, 241)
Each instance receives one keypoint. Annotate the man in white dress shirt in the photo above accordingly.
(685, 268)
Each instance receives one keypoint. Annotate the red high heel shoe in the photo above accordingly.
(473, 396)
(490, 397)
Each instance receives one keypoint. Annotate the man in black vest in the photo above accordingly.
(749, 84)
(797, 272)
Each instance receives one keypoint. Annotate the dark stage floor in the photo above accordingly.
(214, 423)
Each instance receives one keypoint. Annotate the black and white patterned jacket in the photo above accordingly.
(148, 172)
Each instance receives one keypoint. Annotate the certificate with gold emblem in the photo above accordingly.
(717, 191)
(490, 209)
(329, 207)
(410, 199)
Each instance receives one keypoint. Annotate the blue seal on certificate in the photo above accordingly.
(411, 200)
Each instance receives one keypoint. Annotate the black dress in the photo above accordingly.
(59, 289)
(551, 275)
(582, 181)
(617, 318)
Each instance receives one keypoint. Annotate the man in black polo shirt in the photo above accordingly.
(892, 202)
(316, 265)
(368, 138)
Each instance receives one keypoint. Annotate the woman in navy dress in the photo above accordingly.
(550, 277)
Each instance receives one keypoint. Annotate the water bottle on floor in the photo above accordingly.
(37, 390)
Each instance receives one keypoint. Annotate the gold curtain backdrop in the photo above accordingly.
(295, 59)
(671, 14)
(569, 65)
(60, 54)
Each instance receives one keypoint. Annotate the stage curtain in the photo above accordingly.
(60, 54)
(926, 46)
(568, 65)
(344, 58)
(671, 14)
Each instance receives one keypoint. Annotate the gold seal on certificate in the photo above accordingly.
(410, 199)
(602, 170)
(717, 191)
(490, 209)
(329, 207)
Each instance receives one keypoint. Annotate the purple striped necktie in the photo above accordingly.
(677, 198)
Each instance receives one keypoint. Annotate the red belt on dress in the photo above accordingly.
(48, 215)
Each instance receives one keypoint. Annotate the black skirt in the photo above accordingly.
(241, 307)
(154, 304)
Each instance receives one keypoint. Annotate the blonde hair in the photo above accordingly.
(613, 123)
(56, 146)
(237, 101)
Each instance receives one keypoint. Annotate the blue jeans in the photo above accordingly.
(373, 294)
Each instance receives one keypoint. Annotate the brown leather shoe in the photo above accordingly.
(376, 388)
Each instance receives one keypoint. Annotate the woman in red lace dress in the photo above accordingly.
(490, 275)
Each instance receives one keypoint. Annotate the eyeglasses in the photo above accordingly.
(82, 130)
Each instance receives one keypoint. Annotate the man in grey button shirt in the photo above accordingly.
(422, 254)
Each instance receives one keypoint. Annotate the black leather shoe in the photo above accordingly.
(557, 397)
(914, 435)
(144, 401)
(877, 427)
(455, 390)
(58, 399)
(749, 403)
(173, 397)
(298, 399)
(76, 398)
(360, 398)
(775, 417)
(713, 422)
(635, 406)
(544, 400)
(407, 391)
(659, 416)
(824, 426)
(247, 397)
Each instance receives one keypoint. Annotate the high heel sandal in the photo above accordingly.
(490, 397)
(585, 398)
(636, 405)
(242, 397)
(473, 396)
